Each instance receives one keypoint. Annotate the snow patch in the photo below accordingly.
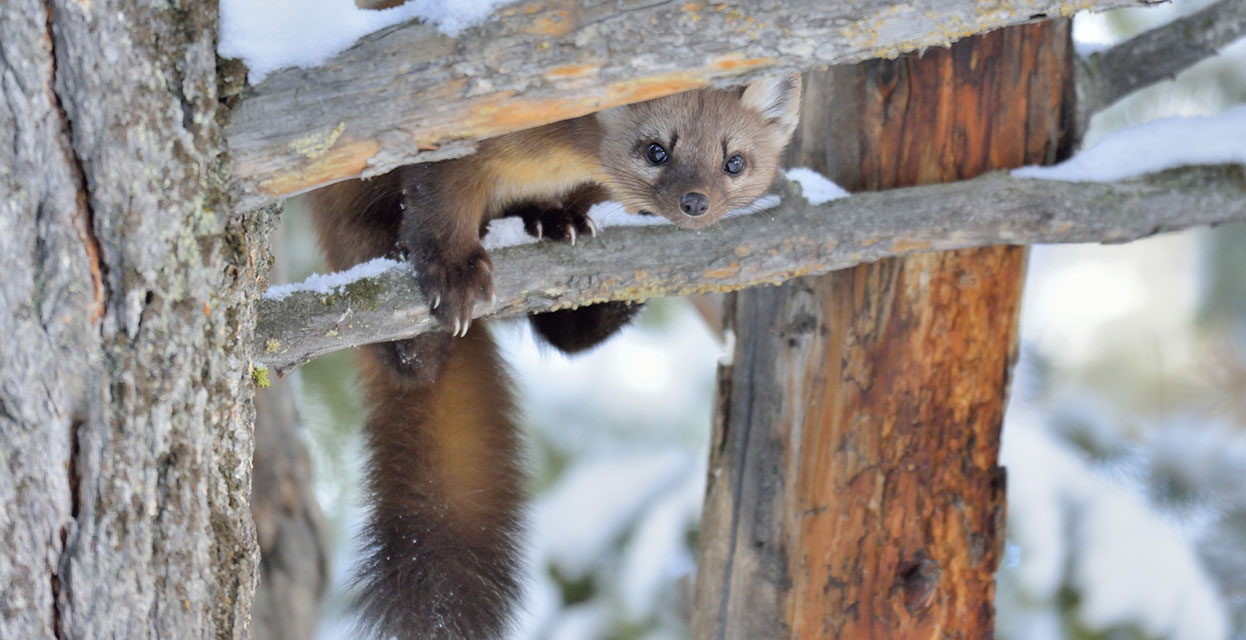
(330, 283)
(1155, 146)
(506, 232)
(817, 188)
(275, 34)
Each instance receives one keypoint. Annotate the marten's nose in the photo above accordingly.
(694, 204)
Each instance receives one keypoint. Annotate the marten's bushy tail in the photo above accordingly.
(446, 485)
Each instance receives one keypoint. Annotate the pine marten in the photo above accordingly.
(445, 476)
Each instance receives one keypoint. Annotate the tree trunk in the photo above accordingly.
(853, 486)
(128, 306)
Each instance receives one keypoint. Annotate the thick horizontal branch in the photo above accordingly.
(1156, 55)
(794, 239)
(409, 94)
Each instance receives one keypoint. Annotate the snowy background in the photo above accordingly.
(1125, 442)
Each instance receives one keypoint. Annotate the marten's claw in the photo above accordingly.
(454, 285)
(564, 224)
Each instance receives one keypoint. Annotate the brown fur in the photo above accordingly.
(700, 130)
(439, 209)
(444, 478)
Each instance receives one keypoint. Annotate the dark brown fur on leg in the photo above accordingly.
(420, 359)
(445, 483)
(572, 330)
(445, 475)
(563, 220)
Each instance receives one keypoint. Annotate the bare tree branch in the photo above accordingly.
(1155, 55)
(409, 94)
(795, 239)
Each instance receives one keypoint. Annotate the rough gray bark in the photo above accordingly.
(127, 305)
(1155, 55)
(409, 94)
(766, 248)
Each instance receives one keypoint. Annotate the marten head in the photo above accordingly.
(694, 156)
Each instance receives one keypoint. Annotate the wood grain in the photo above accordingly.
(409, 94)
(854, 491)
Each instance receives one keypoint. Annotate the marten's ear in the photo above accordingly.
(778, 101)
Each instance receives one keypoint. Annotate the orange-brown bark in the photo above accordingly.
(855, 494)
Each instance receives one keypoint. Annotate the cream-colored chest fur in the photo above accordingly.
(528, 174)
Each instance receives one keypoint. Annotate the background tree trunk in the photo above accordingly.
(853, 486)
(127, 305)
(289, 525)
(293, 539)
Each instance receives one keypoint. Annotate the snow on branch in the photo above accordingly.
(794, 239)
(1155, 55)
(410, 93)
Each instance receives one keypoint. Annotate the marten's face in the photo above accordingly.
(693, 157)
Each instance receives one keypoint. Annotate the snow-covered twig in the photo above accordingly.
(1155, 55)
(794, 239)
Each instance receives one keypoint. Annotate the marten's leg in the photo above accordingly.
(572, 330)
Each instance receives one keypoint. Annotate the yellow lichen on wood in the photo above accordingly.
(314, 145)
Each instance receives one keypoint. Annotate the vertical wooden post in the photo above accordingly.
(853, 489)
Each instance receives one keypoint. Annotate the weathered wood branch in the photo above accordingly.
(409, 94)
(792, 240)
(1155, 55)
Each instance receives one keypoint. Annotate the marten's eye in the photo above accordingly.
(734, 164)
(655, 154)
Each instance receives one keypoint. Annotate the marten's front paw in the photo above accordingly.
(453, 285)
(564, 224)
